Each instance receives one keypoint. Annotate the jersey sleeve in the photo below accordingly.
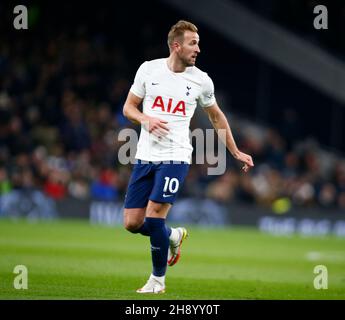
(138, 86)
(207, 97)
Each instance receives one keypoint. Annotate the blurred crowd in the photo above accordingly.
(61, 111)
(59, 120)
(288, 173)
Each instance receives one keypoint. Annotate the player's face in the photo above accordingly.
(189, 49)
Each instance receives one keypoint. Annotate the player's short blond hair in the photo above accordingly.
(177, 31)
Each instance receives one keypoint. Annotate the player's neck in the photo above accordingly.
(176, 65)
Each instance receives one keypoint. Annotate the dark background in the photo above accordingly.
(63, 83)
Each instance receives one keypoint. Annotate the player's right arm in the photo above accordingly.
(131, 112)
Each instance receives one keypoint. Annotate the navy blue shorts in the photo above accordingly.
(159, 182)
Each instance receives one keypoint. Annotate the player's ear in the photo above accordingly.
(176, 45)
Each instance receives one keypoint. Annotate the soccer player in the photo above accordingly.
(170, 89)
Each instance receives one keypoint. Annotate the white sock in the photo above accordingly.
(175, 235)
(161, 279)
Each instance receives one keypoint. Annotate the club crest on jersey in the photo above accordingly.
(180, 107)
(188, 88)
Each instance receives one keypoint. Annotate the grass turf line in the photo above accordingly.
(75, 260)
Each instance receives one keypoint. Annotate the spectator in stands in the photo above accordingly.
(105, 187)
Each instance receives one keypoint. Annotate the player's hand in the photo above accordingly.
(157, 126)
(246, 159)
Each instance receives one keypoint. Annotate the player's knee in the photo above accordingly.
(131, 226)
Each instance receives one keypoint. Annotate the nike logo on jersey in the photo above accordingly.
(154, 83)
(167, 195)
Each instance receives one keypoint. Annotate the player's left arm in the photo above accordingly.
(219, 121)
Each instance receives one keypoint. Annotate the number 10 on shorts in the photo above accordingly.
(172, 184)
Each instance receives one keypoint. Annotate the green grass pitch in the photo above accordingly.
(76, 260)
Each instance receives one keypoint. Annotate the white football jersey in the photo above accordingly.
(172, 97)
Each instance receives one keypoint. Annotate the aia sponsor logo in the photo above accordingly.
(170, 107)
